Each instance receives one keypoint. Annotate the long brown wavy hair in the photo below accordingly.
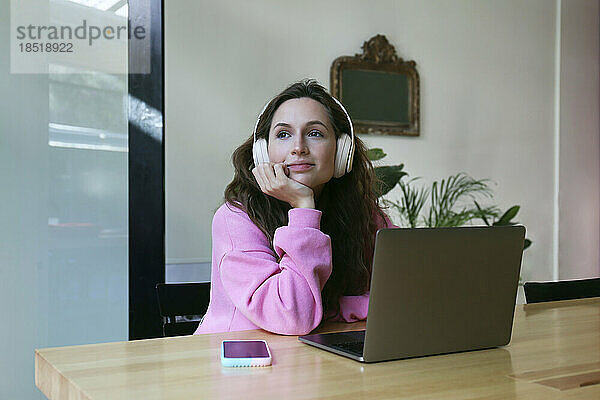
(349, 206)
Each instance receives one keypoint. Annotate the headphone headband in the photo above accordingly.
(260, 116)
(349, 123)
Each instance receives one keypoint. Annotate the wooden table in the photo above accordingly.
(554, 353)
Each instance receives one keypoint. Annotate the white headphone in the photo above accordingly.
(344, 154)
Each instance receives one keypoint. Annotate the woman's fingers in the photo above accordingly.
(273, 180)
(270, 177)
(263, 177)
(266, 177)
(270, 174)
(259, 174)
(280, 174)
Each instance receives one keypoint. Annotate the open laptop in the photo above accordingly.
(436, 291)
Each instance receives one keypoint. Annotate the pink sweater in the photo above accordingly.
(250, 289)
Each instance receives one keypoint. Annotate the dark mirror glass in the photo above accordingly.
(379, 89)
(376, 96)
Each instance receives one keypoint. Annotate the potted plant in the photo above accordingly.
(451, 202)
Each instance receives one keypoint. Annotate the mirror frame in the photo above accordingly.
(379, 55)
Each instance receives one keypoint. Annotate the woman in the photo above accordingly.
(293, 243)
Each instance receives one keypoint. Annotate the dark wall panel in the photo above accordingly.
(146, 173)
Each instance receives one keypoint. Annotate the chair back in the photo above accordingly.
(538, 292)
(182, 306)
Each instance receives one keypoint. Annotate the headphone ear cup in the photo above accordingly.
(259, 152)
(350, 155)
(344, 145)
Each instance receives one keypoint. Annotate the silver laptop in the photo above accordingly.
(436, 291)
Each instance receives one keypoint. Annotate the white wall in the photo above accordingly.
(487, 73)
(579, 196)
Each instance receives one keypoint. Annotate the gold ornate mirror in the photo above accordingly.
(379, 89)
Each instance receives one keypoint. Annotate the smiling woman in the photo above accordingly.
(303, 140)
(293, 243)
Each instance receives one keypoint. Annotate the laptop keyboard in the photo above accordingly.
(351, 347)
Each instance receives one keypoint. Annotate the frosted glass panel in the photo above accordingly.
(63, 210)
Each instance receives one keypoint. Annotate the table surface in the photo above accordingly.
(554, 353)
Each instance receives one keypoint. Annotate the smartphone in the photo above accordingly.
(245, 353)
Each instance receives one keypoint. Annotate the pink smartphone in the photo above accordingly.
(245, 353)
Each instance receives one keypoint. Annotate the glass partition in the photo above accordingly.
(64, 207)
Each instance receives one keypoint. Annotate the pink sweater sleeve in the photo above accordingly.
(355, 308)
(279, 296)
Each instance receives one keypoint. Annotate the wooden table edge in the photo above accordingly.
(57, 386)
(64, 387)
(558, 303)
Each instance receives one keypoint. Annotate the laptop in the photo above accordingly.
(435, 291)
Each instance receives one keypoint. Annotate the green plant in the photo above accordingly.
(452, 201)
(412, 202)
(505, 219)
(387, 176)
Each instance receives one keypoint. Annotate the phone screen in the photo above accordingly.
(245, 349)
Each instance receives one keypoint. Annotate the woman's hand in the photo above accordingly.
(273, 180)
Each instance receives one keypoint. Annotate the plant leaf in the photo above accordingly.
(526, 244)
(375, 154)
(388, 177)
(507, 216)
(481, 213)
(412, 202)
(450, 193)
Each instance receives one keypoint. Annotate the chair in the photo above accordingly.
(538, 292)
(182, 306)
